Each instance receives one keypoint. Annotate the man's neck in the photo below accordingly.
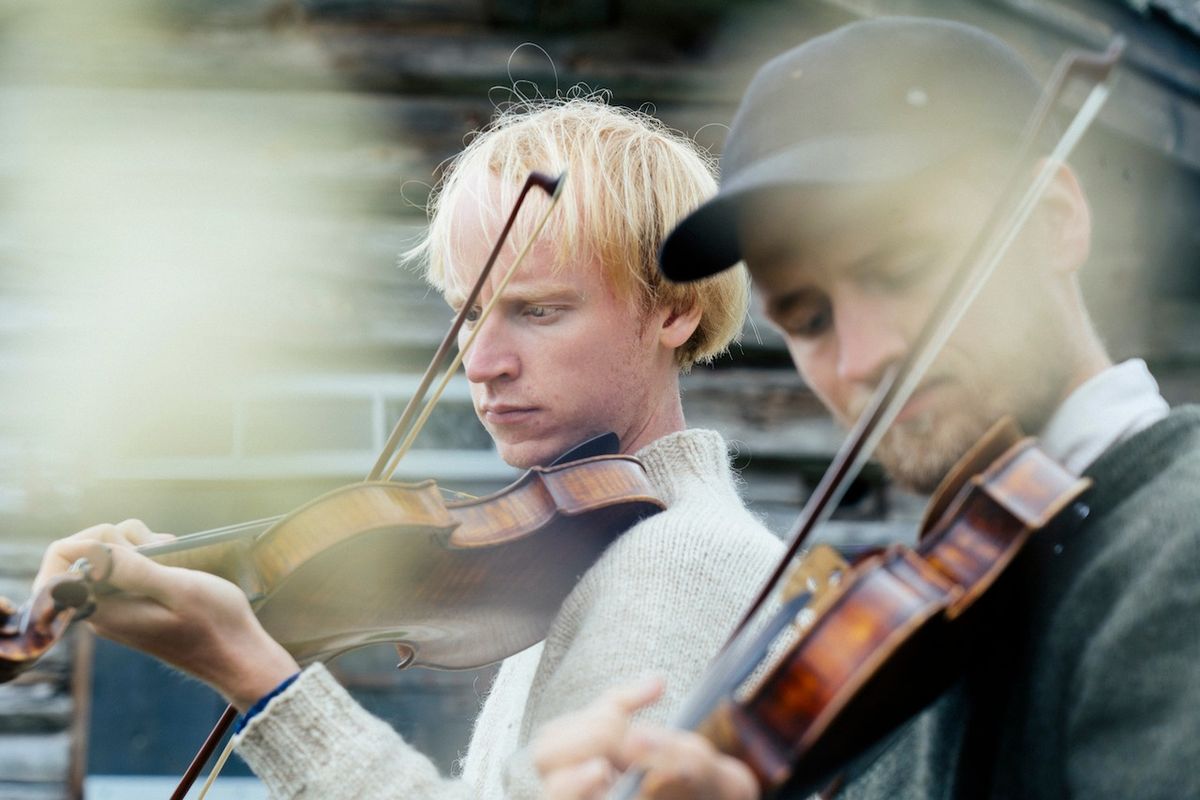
(665, 418)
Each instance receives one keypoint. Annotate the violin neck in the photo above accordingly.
(230, 533)
(223, 552)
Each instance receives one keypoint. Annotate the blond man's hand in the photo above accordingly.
(199, 623)
(580, 756)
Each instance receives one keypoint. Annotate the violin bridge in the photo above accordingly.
(816, 574)
(813, 580)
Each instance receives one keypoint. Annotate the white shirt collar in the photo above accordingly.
(1105, 409)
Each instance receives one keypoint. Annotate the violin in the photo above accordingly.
(835, 653)
(380, 561)
(391, 562)
(866, 629)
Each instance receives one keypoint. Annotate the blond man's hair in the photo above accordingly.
(630, 179)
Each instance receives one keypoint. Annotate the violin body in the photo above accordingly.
(455, 585)
(881, 638)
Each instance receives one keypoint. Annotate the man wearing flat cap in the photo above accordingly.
(858, 169)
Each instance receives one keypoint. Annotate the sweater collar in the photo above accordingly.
(680, 459)
(1105, 409)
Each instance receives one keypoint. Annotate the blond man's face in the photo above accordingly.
(561, 358)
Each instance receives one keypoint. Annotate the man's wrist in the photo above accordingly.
(256, 707)
(248, 683)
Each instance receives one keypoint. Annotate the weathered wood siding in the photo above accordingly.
(44, 713)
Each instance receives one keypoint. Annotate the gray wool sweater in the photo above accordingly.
(1090, 687)
(660, 600)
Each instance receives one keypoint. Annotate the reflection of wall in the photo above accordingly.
(334, 117)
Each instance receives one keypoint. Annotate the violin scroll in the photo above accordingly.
(29, 630)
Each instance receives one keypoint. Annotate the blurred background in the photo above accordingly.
(202, 319)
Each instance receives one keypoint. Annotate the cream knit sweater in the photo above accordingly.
(660, 600)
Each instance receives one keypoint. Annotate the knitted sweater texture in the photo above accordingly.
(660, 600)
(1091, 687)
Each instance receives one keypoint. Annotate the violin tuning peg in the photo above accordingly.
(70, 592)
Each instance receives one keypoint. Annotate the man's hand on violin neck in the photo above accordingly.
(681, 765)
(579, 756)
(196, 622)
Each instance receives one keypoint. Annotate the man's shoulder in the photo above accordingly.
(1153, 474)
(704, 538)
(696, 527)
(705, 510)
(1144, 528)
(1118, 668)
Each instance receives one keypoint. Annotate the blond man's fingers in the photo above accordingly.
(586, 780)
(681, 765)
(62, 554)
(594, 731)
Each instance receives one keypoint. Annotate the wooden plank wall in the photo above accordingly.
(44, 714)
(323, 122)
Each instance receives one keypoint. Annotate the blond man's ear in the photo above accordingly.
(678, 327)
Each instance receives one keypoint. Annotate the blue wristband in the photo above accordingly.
(262, 702)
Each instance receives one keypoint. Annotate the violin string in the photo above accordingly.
(458, 357)
(551, 186)
(210, 536)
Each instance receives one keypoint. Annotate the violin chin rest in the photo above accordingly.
(605, 444)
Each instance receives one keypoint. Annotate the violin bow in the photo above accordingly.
(552, 187)
(999, 230)
(483, 315)
(385, 464)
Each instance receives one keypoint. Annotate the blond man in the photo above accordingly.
(587, 338)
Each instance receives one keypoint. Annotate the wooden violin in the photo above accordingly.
(879, 638)
(447, 582)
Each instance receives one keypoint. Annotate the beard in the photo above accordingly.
(920, 452)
